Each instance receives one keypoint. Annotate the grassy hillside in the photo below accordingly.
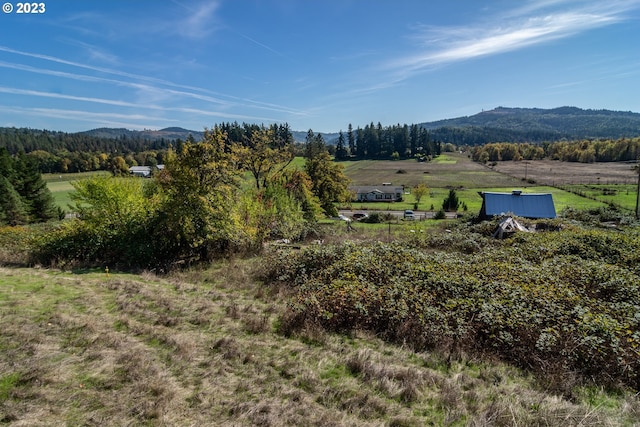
(438, 325)
(202, 348)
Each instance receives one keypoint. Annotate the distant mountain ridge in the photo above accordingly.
(181, 133)
(502, 124)
(535, 125)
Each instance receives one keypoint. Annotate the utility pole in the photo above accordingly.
(638, 193)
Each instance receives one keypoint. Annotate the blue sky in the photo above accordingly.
(315, 64)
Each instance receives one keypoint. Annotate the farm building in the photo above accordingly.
(380, 193)
(526, 205)
(143, 171)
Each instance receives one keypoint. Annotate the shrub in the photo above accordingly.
(378, 217)
(563, 304)
(451, 202)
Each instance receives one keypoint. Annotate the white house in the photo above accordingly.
(378, 193)
(143, 171)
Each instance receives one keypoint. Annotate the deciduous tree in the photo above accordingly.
(329, 184)
(261, 154)
(419, 191)
(199, 184)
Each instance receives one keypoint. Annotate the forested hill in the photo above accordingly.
(172, 133)
(535, 125)
(100, 140)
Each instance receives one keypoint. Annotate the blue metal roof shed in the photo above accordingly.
(526, 205)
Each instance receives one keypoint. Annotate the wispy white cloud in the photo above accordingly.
(129, 121)
(200, 20)
(262, 45)
(155, 88)
(136, 106)
(28, 92)
(88, 67)
(94, 53)
(533, 23)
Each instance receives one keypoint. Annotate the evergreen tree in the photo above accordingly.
(6, 164)
(12, 209)
(413, 139)
(341, 150)
(314, 145)
(351, 140)
(37, 198)
(451, 203)
(361, 144)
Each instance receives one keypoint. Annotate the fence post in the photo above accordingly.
(638, 193)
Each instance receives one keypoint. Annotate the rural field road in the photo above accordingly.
(420, 215)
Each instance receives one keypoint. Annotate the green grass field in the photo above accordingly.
(623, 195)
(61, 188)
(455, 170)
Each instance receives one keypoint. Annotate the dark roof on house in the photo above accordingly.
(526, 205)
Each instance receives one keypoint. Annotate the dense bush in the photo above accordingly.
(378, 217)
(192, 211)
(559, 303)
(599, 215)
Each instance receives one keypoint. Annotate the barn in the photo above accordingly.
(525, 205)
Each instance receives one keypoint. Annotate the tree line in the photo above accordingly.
(60, 152)
(583, 151)
(17, 140)
(391, 142)
(480, 135)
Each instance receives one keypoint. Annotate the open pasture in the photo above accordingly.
(623, 195)
(448, 170)
(61, 187)
(456, 170)
(555, 172)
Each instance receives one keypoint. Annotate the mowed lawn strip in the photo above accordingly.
(61, 186)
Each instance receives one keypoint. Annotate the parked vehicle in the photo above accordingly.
(359, 216)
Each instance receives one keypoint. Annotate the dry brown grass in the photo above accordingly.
(202, 348)
(555, 172)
